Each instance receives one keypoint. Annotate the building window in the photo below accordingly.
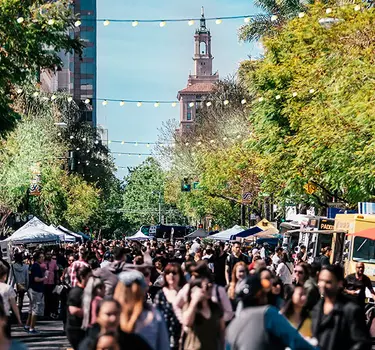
(203, 48)
(188, 116)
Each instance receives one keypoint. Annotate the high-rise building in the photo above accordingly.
(78, 75)
(83, 73)
(201, 82)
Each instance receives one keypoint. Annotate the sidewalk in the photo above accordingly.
(51, 336)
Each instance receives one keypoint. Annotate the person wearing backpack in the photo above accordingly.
(285, 270)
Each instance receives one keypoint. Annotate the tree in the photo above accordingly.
(144, 188)
(313, 117)
(33, 33)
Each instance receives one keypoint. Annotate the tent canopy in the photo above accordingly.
(368, 233)
(139, 236)
(228, 234)
(68, 232)
(64, 237)
(200, 233)
(34, 231)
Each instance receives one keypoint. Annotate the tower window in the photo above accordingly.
(203, 48)
(188, 116)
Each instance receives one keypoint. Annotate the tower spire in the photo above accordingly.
(203, 20)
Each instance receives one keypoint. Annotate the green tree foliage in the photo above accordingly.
(32, 34)
(313, 118)
(141, 195)
(35, 143)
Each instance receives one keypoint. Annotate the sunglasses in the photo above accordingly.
(172, 272)
(298, 272)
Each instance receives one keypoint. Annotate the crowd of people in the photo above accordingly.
(164, 295)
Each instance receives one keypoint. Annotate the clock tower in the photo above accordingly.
(201, 83)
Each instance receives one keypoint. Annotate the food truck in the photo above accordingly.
(350, 246)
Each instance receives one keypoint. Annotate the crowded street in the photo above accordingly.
(187, 175)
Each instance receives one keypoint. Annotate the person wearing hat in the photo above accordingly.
(136, 315)
(260, 326)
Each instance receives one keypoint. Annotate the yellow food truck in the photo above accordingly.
(351, 248)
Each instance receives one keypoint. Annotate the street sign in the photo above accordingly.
(247, 197)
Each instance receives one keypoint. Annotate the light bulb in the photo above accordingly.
(328, 11)
(357, 8)
(88, 151)
(174, 104)
(238, 136)
(109, 142)
(199, 143)
(53, 97)
(84, 139)
(247, 20)
(301, 14)
(87, 101)
(148, 145)
(106, 23)
(260, 99)
(294, 94)
(208, 104)
(187, 144)
(219, 21)
(96, 142)
(35, 94)
(243, 101)
(78, 162)
(134, 23)
(122, 103)
(19, 91)
(70, 99)
(162, 23)
(273, 18)
(278, 97)
(105, 102)
(191, 104)
(71, 137)
(51, 22)
(156, 104)
(224, 139)
(139, 104)
(136, 144)
(20, 20)
(59, 134)
(311, 91)
(77, 148)
(226, 102)
(212, 141)
(77, 23)
(122, 142)
(191, 22)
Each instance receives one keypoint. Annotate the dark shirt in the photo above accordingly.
(36, 271)
(353, 283)
(4, 262)
(324, 260)
(74, 299)
(233, 260)
(126, 340)
(219, 269)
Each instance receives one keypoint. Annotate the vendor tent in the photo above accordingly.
(78, 237)
(200, 233)
(139, 236)
(34, 231)
(64, 237)
(228, 234)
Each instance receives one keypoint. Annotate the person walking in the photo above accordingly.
(74, 331)
(285, 270)
(8, 296)
(232, 259)
(325, 257)
(239, 274)
(202, 318)
(173, 281)
(51, 270)
(36, 288)
(81, 262)
(19, 278)
(356, 284)
(295, 311)
(336, 322)
(219, 260)
(137, 316)
(260, 326)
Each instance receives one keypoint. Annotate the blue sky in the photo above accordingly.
(152, 63)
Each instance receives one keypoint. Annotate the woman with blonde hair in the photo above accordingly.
(136, 315)
(239, 274)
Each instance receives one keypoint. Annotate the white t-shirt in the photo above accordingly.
(6, 292)
(285, 273)
(275, 260)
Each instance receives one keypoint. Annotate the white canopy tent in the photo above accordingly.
(227, 234)
(139, 236)
(33, 231)
(63, 229)
(64, 237)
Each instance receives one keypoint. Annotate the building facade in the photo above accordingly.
(201, 83)
(78, 76)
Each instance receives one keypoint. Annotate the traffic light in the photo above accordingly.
(185, 185)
